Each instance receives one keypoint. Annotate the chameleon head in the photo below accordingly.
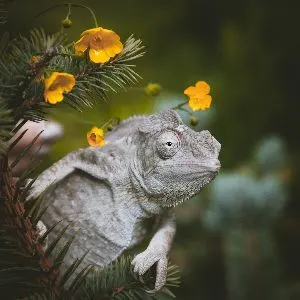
(175, 161)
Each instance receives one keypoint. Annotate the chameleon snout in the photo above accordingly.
(211, 165)
(216, 165)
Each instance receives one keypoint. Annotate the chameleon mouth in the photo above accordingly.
(171, 202)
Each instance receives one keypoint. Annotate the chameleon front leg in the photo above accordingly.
(157, 251)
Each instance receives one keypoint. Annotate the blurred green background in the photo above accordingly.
(248, 51)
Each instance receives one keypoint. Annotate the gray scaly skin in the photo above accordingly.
(148, 165)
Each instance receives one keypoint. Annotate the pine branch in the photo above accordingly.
(95, 81)
(3, 42)
(26, 60)
(25, 267)
(6, 125)
(22, 62)
(21, 256)
(117, 281)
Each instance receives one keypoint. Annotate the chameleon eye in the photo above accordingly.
(167, 144)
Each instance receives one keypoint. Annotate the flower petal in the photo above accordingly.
(98, 131)
(207, 101)
(203, 87)
(109, 38)
(56, 85)
(117, 47)
(91, 31)
(190, 91)
(49, 81)
(65, 81)
(202, 102)
(82, 44)
(61, 80)
(95, 137)
(114, 50)
(106, 30)
(53, 96)
(98, 56)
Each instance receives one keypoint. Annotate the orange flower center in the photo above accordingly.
(93, 137)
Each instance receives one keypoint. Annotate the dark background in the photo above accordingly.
(248, 51)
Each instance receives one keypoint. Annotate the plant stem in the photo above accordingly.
(180, 105)
(69, 11)
(67, 4)
(184, 109)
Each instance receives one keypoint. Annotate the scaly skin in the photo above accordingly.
(148, 165)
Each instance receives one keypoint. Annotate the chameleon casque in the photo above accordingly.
(148, 165)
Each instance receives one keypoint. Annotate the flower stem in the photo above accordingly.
(69, 5)
(69, 11)
(180, 105)
(187, 111)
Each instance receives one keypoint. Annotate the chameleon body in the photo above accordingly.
(148, 165)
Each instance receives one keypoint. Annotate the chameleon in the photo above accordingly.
(148, 165)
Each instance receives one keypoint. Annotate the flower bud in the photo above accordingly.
(66, 23)
(193, 121)
(153, 89)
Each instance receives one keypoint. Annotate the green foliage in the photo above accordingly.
(94, 81)
(19, 83)
(27, 60)
(24, 265)
(6, 125)
(27, 270)
(117, 281)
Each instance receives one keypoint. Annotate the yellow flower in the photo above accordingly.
(198, 94)
(202, 102)
(66, 23)
(103, 44)
(56, 85)
(95, 137)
